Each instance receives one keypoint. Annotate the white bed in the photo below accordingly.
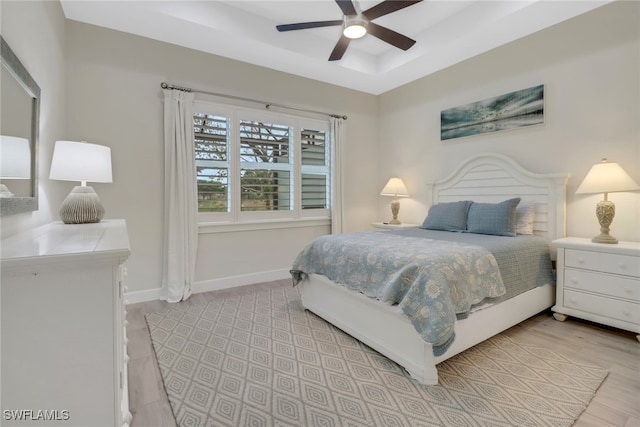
(484, 178)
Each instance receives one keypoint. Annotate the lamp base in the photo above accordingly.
(605, 211)
(395, 209)
(604, 238)
(82, 206)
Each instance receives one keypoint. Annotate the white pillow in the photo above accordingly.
(525, 214)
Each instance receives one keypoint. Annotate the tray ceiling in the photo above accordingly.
(446, 31)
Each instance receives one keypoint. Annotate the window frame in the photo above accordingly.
(236, 114)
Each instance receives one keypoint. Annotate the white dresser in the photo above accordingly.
(63, 347)
(598, 282)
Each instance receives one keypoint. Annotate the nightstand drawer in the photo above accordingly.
(615, 286)
(607, 263)
(620, 264)
(615, 309)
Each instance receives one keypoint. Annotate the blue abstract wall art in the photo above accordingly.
(509, 111)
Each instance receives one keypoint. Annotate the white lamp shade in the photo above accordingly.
(15, 157)
(607, 177)
(395, 187)
(81, 161)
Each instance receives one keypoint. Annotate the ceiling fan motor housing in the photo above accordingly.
(354, 26)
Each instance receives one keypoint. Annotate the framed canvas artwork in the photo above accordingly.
(509, 111)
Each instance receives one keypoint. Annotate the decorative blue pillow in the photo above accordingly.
(493, 218)
(447, 216)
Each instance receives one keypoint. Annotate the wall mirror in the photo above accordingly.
(19, 126)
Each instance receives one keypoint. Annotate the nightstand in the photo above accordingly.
(388, 226)
(598, 282)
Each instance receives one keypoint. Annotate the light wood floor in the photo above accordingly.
(617, 402)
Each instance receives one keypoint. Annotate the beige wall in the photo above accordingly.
(114, 98)
(590, 67)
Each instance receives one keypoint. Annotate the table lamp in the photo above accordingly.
(606, 177)
(81, 161)
(395, 187)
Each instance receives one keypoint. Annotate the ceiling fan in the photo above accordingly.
(356, 25)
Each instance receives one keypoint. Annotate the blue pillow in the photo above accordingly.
(498, 219)
(447, 216)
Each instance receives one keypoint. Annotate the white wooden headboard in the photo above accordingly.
(494, 177)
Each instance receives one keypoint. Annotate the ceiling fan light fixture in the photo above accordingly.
(354, 27)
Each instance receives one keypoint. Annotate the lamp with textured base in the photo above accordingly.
(81, 161)
(606, 177)
(395, 187)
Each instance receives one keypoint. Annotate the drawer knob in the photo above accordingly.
(622, 266)
(580, 260)
(574, 280)
(626, 313)
(573, 300)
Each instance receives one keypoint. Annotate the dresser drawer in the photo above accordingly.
(608, 263)
(602, 306)
(608, 285)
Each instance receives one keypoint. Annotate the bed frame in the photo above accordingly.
(484, 178)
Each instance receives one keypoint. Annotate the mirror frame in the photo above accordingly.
(15, 205)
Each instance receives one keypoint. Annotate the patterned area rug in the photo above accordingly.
(260, 360)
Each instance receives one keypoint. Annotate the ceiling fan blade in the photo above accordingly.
(340, 48)
(347, 7)
(305, 25)
(387, 7)
(396, 39)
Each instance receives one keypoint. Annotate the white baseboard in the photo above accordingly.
(211, 285)
(142, 296)
(235, 281)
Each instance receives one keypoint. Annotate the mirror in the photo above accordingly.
(19, 125)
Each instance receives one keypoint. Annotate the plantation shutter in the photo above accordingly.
(315, 177)
(265, 167)
(211, 137)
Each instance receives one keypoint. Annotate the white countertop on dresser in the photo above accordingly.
(58, 240)
(622, 247)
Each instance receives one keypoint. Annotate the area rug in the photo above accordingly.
(260, 359)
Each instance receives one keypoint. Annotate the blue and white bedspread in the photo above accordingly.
(432, 281)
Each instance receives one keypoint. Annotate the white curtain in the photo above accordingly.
(180, 193)
(337, 214)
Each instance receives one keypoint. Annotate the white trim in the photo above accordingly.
(143, 296)
(245, 279)
(273, 224)
(211, 285)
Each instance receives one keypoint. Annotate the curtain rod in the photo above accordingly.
(165, 85)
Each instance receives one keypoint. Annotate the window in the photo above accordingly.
(315, 182)
(255, 165)
(212, 162)
(265, 167)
